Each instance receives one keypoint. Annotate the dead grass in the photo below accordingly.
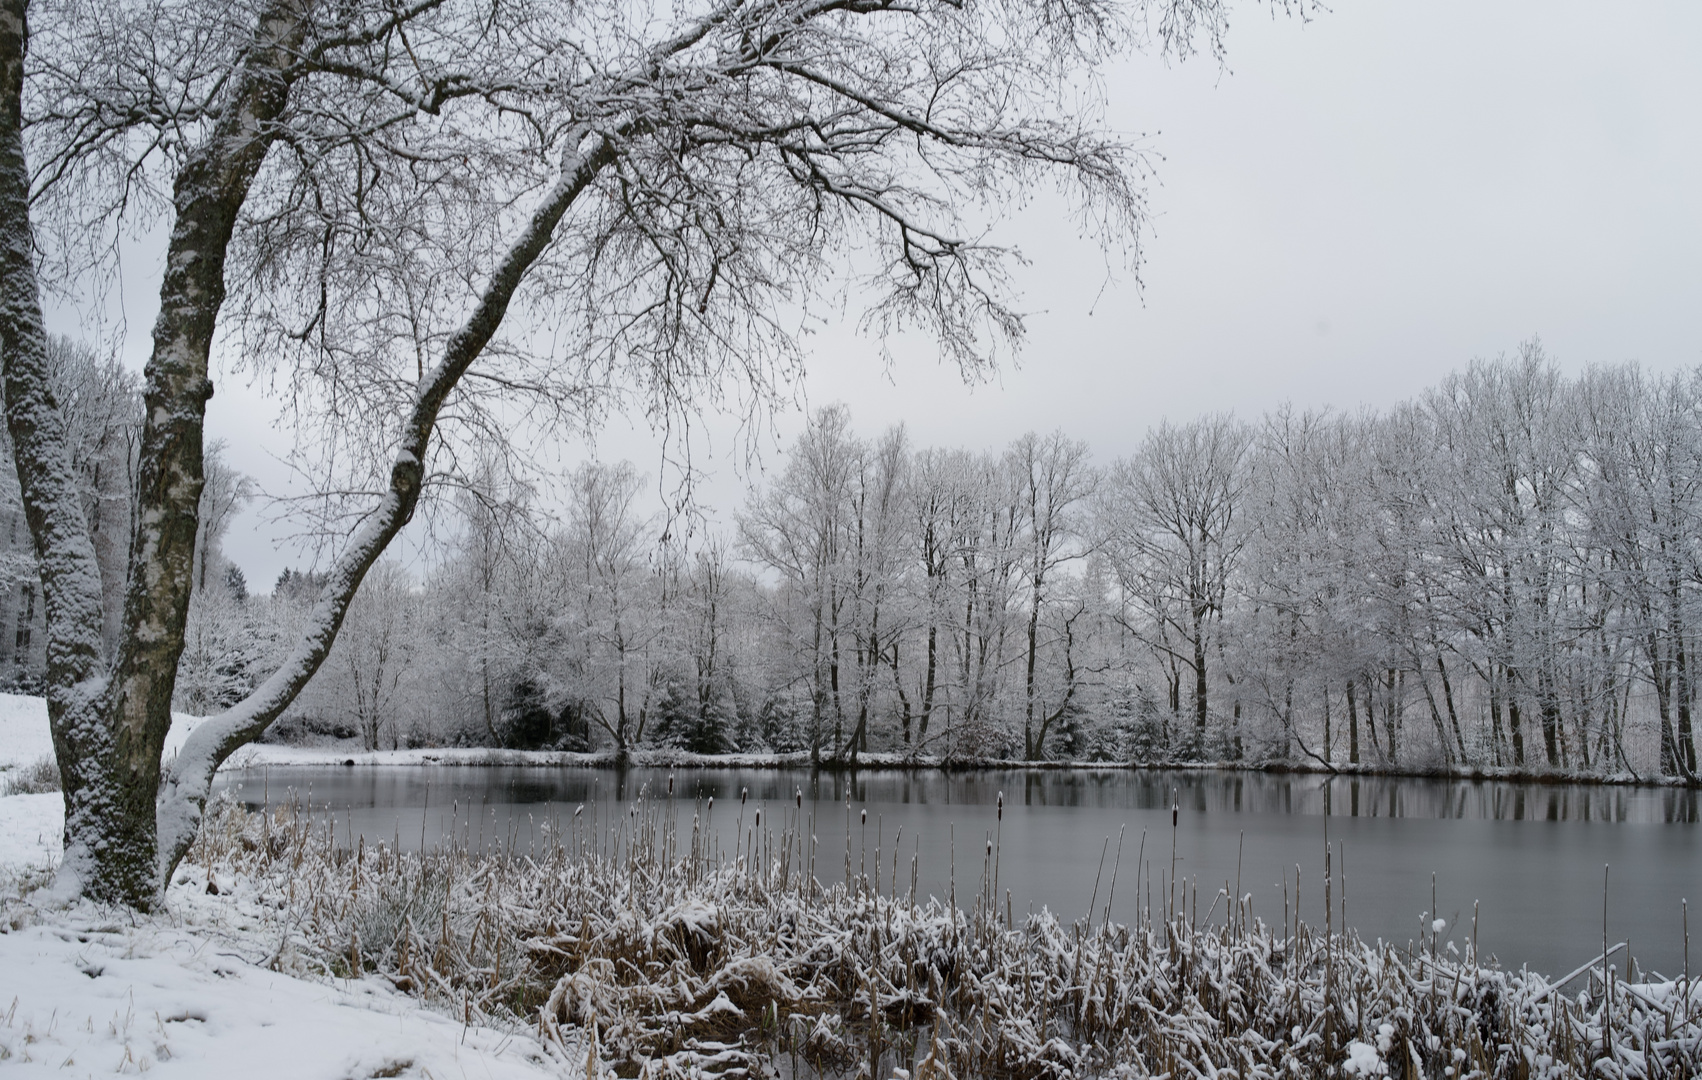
(37, 778)
(638, 948)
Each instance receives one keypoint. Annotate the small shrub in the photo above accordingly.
(34, 779)
(27, 683)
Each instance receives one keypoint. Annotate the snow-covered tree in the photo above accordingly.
(1173, 521)
(610, 624)
(1053, 482)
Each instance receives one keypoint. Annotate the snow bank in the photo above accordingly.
(105, 997)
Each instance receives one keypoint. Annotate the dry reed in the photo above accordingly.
(634, 946)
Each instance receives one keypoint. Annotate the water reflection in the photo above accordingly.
(1199, 791)
(1533, 855)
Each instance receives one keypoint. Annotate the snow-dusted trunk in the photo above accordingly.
(70, 574)
(119, 839)
(185, 793)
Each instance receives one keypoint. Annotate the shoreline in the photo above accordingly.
(264, 755)
(271, 931)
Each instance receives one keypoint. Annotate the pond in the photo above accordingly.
(1525, 867)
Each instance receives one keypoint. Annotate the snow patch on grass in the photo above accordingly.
(24, 737)
(31, 830)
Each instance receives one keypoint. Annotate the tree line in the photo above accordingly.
(1501, 572)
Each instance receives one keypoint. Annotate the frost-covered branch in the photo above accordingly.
(191, 774)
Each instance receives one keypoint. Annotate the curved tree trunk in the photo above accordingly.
(185, 794)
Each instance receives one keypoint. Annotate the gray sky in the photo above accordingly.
(1353, 207)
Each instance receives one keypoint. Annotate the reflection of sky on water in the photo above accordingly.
(1532, 855)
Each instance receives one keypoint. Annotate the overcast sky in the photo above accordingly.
(1348, 210)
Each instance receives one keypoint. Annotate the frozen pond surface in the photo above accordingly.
(1532, 856)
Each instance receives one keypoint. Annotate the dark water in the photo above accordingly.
(1531, 856)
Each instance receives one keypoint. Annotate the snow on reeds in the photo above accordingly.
(637, 946)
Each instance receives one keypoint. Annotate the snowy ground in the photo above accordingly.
(93, 994)
(191, 993)
(24, 738)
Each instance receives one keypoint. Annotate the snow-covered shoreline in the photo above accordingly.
(191, 992)
(274, 755)
(24, 739)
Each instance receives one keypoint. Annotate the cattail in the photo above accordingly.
(1001, 806)
(744, 793)
(759, 817)
(800, 798)
(670, 784)
(865, 817)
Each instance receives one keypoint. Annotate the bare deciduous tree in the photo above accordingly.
(1172, 526)
(1053, 479)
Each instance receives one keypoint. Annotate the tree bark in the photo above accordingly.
(83, 740)
(114, 721)
(1352, 726)
(1200, 709)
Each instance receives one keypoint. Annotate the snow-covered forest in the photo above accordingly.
(1502, 572)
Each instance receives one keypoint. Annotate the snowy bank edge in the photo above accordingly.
(266, 755)
(24, 739)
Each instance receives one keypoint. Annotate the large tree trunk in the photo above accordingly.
(83, 741)
(110, 723)
(207, 196)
